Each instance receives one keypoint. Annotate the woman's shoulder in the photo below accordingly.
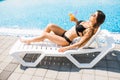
(89, 31)
(93, 30)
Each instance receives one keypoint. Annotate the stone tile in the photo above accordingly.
(40, 72)
(1, 71)
(37, 78)
(2, 57)
(81, 71)
(8, 59)
(25, 77)
(114, 78)
(11, 67)
(101, 78)
(62, 75)
(5, 52)
(88, 77)
(1, 50)
(30, 71)
(15, 76)
(88, 71)
(4, 46)
(4, 75)
(114, 73)
(52, 71)
(14, 61)
(64, 72)
(3, 65)
(101, 72)
(51, 74)
(19, 70)
(50, 79)
(75, 76)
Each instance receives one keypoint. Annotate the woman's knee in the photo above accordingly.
(51, 25)
(43, 35)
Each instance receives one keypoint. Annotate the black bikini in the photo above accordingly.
(66, 38)
(79, 28)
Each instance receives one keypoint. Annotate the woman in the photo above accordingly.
(84, 29)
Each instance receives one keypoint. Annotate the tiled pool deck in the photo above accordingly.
(52, 68)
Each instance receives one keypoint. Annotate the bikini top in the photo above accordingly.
(79, 28)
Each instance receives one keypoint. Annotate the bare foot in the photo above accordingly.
(25, 41)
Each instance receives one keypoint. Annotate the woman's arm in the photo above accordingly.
(79, 44)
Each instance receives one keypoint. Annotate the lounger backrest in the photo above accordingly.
(92, 38)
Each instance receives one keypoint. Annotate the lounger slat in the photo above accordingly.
(29, 47)
(19, 45)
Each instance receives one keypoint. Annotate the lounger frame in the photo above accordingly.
(47, 48)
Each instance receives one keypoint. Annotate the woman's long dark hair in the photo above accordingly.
(100, 18)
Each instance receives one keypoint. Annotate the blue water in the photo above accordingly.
(36, 14)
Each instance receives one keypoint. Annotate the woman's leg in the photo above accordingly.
(35, 39)
(52, 37)
(56, 38)
(54, 28)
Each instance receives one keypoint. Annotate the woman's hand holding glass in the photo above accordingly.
(72, 17)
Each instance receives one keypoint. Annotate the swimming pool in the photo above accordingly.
(36, 14)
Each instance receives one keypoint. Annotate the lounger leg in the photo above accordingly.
(75, 62)
(99, 57)
(19, 59)
(39, 59)
(30, 64)
(104, 51)
(87, 65)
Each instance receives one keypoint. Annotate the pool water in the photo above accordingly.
(36, 14)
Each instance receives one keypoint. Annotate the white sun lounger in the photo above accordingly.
(47, 48)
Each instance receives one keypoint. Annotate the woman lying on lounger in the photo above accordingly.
(84, 29)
